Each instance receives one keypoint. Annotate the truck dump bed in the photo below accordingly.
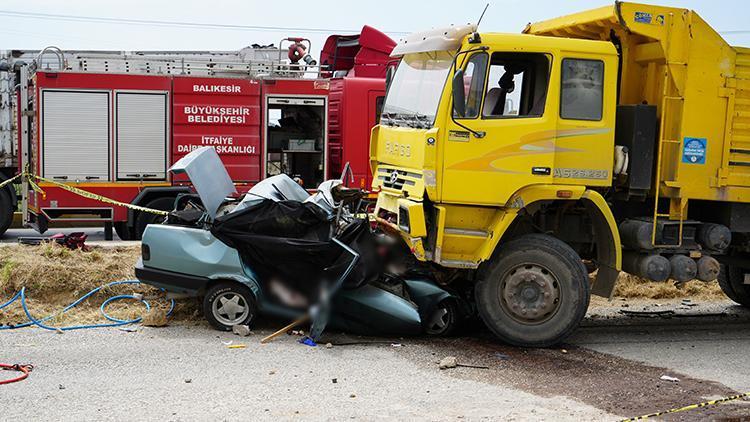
(673, 59)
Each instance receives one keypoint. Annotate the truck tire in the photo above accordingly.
(228, 304)
(164, 203)
(123, 231)
(731, 280)
(534, 292)
(6, 211)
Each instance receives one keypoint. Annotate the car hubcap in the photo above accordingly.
(530, 293)
(230, 308)
(439, 320)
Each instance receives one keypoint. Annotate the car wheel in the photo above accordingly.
(145, 218)
(534, 292)
(443, 320)
(228, 304)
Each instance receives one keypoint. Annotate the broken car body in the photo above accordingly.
(287, 257)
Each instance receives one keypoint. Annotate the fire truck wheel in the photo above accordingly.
(732, 282)
(6, 211)
(534, 291)
(144, 219)
(123, 231)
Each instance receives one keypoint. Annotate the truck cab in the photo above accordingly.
(478, 129)
(617, 137)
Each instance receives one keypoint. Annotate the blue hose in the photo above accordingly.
(116, 322)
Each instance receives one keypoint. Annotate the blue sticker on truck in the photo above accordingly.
(643, 17)
(694, 150)
(648, 18)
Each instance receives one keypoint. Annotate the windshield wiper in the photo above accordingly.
(424, 120)
(397, 119)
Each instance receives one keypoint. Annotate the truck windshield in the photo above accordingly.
(415, 91)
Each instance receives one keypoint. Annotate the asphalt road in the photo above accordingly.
(609, 369)
(716, 349)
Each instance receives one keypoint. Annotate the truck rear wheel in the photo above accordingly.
(534, 292)
(6, 211)
(732, 282)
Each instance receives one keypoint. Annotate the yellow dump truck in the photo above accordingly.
(617, 137)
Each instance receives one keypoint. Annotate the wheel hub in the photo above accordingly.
(230, 308)
(530, 293)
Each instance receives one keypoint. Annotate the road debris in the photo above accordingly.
(650, 314)
(188, 380)
(502, 356)
(307, 341)
(396, 345)
(241, 330)
(564, 351)
(452, 362)
(329, 346)
(129, 329)
(448, 362)
(668, 378)
(59, 331)
(352, 396)
(155, 317)
(236, 346)
(335, 380)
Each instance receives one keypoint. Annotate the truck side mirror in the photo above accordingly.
(388, 77)
(459, 97)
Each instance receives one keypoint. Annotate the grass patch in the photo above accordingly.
(55, 276)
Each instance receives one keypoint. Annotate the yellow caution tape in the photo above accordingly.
(79, 192)
(100, 198)
(690, 407)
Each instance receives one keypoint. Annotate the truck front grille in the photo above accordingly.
(396, 179)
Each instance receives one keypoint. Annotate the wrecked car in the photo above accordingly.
(281, 251)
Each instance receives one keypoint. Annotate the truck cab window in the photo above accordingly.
(474, 76)
(582, 88)
(517, 85)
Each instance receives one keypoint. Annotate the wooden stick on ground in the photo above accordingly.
(283, 330)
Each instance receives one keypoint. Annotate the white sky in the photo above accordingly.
(386, 15)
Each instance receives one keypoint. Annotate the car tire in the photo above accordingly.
(143, 219)
(443, 320)
(534, 292)
(731, 280)
(6, 210)
(228, 304)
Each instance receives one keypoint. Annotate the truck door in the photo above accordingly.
(506, 98)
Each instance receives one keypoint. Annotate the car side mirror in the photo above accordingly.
(459, 97)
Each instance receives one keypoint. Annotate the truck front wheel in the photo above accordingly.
(534, 292)
(6, 210)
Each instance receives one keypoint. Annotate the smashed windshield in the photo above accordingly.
(415, 91)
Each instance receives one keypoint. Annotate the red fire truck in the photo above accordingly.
(113, 126)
